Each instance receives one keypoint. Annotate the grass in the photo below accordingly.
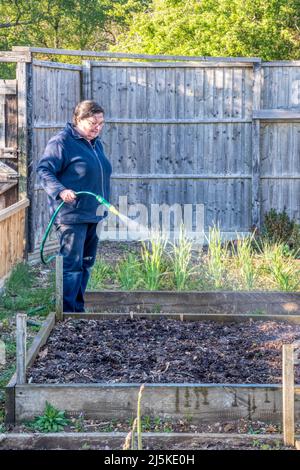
(25, 291)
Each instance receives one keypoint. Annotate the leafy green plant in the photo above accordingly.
(52, 420)
(181, 258)
(128, 272)
(217, 256)
(152, 256)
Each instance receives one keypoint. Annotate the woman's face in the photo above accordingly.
(91, 127)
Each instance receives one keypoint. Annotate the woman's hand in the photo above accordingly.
(67, 195)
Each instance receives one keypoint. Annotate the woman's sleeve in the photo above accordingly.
(49, 167)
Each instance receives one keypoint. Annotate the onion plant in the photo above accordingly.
(281, 266)
(217, 257)
(152, 257)
(181, 258)
(245, 260)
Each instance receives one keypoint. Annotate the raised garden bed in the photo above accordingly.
(200, 402)
(219, 384)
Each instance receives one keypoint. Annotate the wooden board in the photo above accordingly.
(201, 402)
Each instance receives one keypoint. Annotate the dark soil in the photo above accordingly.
(164, 351)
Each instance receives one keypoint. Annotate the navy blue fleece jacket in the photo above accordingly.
(72, 162)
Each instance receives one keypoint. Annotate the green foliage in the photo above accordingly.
(66, 24)
(52, 420)
(209, 28)
(129, 272)
(101, 272)
(277, 227)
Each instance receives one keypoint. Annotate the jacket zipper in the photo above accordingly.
(100, 164)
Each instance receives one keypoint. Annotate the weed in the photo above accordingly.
(52, 420)
(79, 423)
(85, 446)
(157, 308)
(263, 446)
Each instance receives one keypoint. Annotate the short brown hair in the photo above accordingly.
(86, 109)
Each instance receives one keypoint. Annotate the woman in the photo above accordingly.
(74, 161)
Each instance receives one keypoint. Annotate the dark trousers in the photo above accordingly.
(78, 246)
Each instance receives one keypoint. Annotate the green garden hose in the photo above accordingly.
(99, 198)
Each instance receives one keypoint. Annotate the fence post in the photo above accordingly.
(21, 348)
(256, 191)
(24, 110)
(288, 394)
(59, 287)
(86, 81)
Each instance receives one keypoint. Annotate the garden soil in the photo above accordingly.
(164, 351)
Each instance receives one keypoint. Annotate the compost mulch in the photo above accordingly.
(164, 351)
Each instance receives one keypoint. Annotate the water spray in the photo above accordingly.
(99, 198)
(130, 223)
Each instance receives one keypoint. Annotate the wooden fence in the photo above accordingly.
(12, 236)
(222, 132)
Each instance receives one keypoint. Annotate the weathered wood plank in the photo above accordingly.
(40, 339)
(24, 113)
(59, 287)
(229, 303)
(120, 55)
(202, 402)
(21, 337)
(8, 87)
(17, 207)
(9, 152)
(288, 400)
(112, 440)
(256, 156)
(277, 115)
(15, 56)
(221, 317)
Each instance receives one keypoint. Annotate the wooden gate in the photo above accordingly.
(8, 144)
